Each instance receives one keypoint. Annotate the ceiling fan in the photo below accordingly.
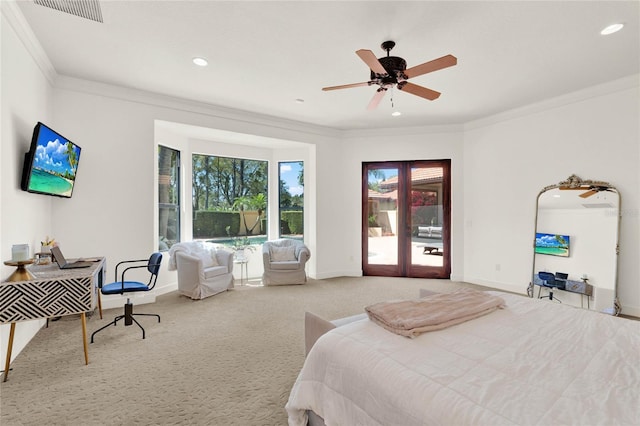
(593, 189)
(391, 71)
(590, 190)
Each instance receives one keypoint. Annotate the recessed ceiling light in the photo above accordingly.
(613, 28)
(396, 113)
(200, 62)
(299, 101)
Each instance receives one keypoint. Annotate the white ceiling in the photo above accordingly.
(264, 55)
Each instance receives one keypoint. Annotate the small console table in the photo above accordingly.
(52, 292)
(578, 287)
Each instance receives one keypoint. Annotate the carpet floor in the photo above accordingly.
(230, 359)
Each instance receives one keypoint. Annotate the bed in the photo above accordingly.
(533, 362)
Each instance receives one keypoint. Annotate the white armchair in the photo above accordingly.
(284, 262)
(203, 269)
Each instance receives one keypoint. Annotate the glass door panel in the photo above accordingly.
(406, 218)
(426, 194)
(382, 216)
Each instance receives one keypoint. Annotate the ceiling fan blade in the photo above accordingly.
(435, 65)
(346, 86)
(589, 193)
(370, 59)
(414, 89)
(373, 104)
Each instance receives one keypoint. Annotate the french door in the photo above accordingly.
(406, 218)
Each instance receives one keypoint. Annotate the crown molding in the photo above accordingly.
(12, 13)
(402, 131)
(181, 104)
(624, 83)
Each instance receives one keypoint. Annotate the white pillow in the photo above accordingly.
(282, 254)
(208, 258)
(214, 259)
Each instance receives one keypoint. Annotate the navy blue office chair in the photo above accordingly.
(121, 286)
(548, 280)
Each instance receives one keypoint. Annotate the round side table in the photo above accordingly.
(244, 268)
(21, 273)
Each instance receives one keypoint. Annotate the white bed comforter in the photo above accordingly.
(534, 362)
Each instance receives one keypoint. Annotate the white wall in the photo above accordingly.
(24, 217)
(592, 250)
(510, 158)
(390, 145)
(114, 202)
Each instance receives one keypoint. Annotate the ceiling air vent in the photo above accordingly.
(89, 9)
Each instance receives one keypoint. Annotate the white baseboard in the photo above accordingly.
(337, 274)
(510, 287)
(631, 310)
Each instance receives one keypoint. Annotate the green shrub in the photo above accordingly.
(213, 224)
(295, 220)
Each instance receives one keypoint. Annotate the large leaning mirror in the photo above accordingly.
(576, 249)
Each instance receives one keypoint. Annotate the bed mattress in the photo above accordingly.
(534, 362)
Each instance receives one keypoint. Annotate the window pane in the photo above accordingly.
(229, 198)
(427, 216)
(291, 196)
(382, 216)
(168, 197)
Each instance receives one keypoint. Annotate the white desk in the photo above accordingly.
(53, 293)
(571, 286)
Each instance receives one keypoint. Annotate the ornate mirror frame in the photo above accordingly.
(607, 206)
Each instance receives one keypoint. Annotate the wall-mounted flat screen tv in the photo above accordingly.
(51, 164)
(553, 244)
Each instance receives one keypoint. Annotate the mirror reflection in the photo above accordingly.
(576, 244)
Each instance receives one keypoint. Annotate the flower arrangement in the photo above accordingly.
(48, 242)
(45, 246)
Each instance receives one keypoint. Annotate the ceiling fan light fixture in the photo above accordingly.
(391, 72)
(613, 28)
(201, 62)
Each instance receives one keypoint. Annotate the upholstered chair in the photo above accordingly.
(203, 269)
(284, 262)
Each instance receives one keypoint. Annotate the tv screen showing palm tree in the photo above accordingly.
(552, 244)
(51, 163)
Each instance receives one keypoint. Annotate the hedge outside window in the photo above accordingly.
(229, 197)
(291, 199)
(168, 197)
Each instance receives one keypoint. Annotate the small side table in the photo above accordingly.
(21, 273)
(244, 268)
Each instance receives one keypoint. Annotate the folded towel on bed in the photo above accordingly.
(411, 318)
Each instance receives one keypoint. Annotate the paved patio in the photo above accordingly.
(384, 251)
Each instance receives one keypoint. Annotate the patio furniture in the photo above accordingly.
(430, 231)
(429, 249)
